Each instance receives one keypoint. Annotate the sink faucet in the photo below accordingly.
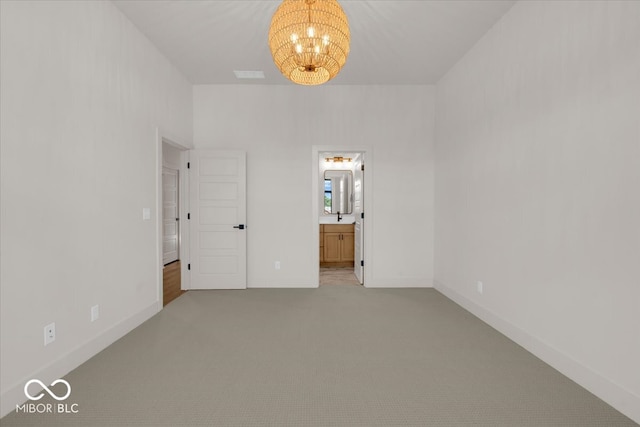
(339, 216)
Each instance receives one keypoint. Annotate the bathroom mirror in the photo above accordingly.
(338, 192)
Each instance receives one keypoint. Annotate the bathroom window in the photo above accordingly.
(327, 196)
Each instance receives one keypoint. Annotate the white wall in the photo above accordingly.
(82, 94)
(278, 125)
(538, 188)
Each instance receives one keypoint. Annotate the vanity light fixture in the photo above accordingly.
(337, 159)
(309, 40)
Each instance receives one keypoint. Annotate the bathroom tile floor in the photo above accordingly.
(338, 276)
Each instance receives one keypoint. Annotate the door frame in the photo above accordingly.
(183, 191)
(367, 154)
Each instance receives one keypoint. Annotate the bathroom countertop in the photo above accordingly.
(333, 219)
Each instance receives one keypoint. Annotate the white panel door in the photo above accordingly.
(218, 255)
(358, 209)
(170, 241)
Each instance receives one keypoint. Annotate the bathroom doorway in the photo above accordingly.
(339, 215)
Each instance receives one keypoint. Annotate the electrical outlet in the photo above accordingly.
(95, 313)
(276, 265)
(49, 333)
(480, 287)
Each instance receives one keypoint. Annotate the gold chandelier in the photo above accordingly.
(309, 40)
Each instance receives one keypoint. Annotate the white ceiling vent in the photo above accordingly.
(249, 74)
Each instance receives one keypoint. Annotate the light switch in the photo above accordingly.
(146, 213)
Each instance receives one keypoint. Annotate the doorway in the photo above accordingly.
(170, 215)
(171, 283)
(171, 204)
(339, 202)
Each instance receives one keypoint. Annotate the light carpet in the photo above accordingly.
(332, 356)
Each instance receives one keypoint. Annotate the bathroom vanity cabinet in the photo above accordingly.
(336, 245)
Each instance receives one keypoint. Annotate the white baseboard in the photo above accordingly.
(615, 395)
(398, 282)
(288, 284)
(383, 283)
(14, 395)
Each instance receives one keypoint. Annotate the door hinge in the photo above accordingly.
(188, 165)
(362, 167)
(188, 216)
(361, 215)
(188, 266)
(362, 263)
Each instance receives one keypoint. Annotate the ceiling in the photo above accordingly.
(392, 42)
